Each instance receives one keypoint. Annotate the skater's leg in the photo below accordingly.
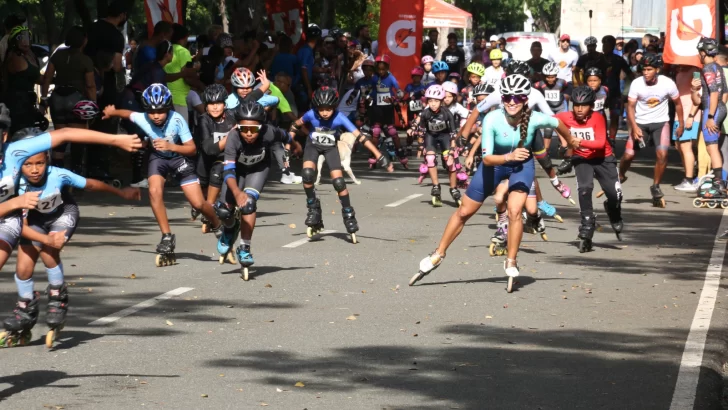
(194, 196)
(156, 199)
(516, 202)
(500, 195)
(626, 161)
(606, 174)
(661, 137)
(585, 181)
(688, 157)
(431, 161)
(26, 260)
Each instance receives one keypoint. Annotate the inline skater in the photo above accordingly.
(14, 155)
(247, 161)
(56, 212)
(476, 71)
(429, 77)
(172, 143)
(556, 92)
(648, 116)
(508, 137)
(439, 68)
(325, 124)
(386, 91)
(593, 158)
(413, 94)
(494, 73)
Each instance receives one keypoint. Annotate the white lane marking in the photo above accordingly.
(692, 359)
(401, 201)
(139, 306)
(300, 242)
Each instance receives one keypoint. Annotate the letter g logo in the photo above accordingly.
(400, 38)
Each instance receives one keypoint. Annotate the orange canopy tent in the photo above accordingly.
(441, 14)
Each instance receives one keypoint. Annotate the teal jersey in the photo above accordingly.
(499, 137)
(15, 155)
(52, 187)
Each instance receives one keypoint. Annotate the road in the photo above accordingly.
(333, 325)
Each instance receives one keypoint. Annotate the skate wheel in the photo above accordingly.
(5, 338)
(660, 202)
(244, 273)
(509, 287)
(417, 276)
(460, 203)
(600, 194)
(205, 228)
(697, 203)
(159, 261)
(558, 218)
(619, 236)
(50, 338)
(544, 237)
(712, 204)
(116, 183)
(491, 249)
(221, 259)
(572, 201)
(353, 238)
(309, 232)
(724, 204)
(231, 258)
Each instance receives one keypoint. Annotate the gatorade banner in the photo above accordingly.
(287, 16)
(687, 22)
(162, 10)
(400, 36)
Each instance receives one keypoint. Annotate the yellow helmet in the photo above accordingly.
(495, 54)
(477, 69)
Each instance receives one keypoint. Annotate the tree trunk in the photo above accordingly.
(327, 13)
(49, 15)
(68, 11)
(246, 15)
(442, 41)
(84, 13)
(223, 13)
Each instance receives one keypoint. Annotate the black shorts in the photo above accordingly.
(249, 179)
(209, 170)
(381, 114)
(64, 219)
(10, 228)
(432, 141)
(330, 153)
(61, 105)
(181, 167)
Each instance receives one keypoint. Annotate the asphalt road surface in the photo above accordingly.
(333, 325)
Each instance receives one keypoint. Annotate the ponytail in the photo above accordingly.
(525, 118)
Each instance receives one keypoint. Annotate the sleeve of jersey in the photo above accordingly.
(232, 147)
(205, 135)
(674, 94)
(231, 102)
(342, 121)
(490, 101)
(24, 149)
(451, 120)
(69, 178)
(487, 143)
(535, 98)
(268, 100)
(600, 134)
(280, 135)
(307, 117)
(183, 130)
(541, 120)
(140, 120)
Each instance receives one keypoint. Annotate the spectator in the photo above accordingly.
(453, 55)
(536, 62)
(146, 53)
(182, 58)
(212, 69)
(620, 46)
(213, 33)
(284, 61)
(429, 46)
(493, 42)
(363, 37)
(565, 58)
(21, 72)
(506, 54)
(283, 81)
(304, 67)
(325, 66)
(129, 54)
(11, 22)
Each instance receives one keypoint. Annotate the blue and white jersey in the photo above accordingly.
(233, 101)
(326, 132)
(15, 154)
(56, 179)
(175, 130)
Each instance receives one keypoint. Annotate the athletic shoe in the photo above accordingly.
(291, 178)
(686, 186)
(144, 183)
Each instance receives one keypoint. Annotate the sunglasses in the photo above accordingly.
(248, 129)
(517, 99)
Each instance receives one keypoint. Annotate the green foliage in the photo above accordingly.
(349, 14)
(546, 14)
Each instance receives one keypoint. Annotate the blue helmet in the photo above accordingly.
(438, 66)
(157, 97)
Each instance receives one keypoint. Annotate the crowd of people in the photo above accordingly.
(214, 115)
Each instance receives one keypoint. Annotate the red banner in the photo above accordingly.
(687, 22)
(162, 10)
(400, 36)
(288, 16)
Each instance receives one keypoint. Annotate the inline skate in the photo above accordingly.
(350, 222)
(436, 195)
(246, 260)
(427, 265)
(549, 210)
(227, 231)
(564, 191)
(565, 166)
(56, 313)
(710, 194)
(423, 173)
(615, 219)
(658, 199)
(511, 268)
(534, 224)
(18, 327)
(586, 231)
(456, 196)
(165, 251)
(314, 219)
(403, 158)
(499, 240)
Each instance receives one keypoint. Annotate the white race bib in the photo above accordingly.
(217, 136)
(599, 105)
(382, 99)
(587, 134)
(415, 105)
(7, 188)
(249, 160)
(437, 126)
(325, 140)
(49, 204)
(552, 95)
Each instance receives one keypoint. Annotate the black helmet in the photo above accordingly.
(480, 89)
(4, 116)
(325, 97)
(709, 45)
(28, 132)
(214, 93)
(593, 71)
(583, 95)
(518, 67)
(250, 110)
(653, 60)
(313, 31)
(490, 89)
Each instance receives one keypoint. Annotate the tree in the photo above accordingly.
(546, 14)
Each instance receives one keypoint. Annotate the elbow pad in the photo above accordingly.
(228, 173)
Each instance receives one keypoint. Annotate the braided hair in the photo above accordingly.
(525, 119)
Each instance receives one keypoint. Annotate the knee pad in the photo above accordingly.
(251, 206)
(376, 130)
(391, 131)
(431, 160)
(339, 184)
(224, 212)
(308, 175)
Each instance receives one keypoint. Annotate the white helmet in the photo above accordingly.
(515, 84)
(550, 68)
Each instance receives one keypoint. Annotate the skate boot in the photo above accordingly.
(534, 224)
(372, 162)
(586, 231)
(615, 219)
(246, 260)
(549, 210)
(194, 213)
(423, 173)
(564, 191)
(427, 265)
(226, 238)
(511, 268)
(499, 240)
(56, 313)
(402, 158)
(565, 166)
(314, 219)
(165, 251)
(710, 194)
(18, 327)
(350, 222)
(658, 199)
(456, 196)
(435, 193)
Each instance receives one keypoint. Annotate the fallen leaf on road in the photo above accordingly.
(263, 404)
(326, 263)
(292, 226)
(169, 323)
(489, 317)
(333, 212)
(352, 317)
(299, 384)
(268, 285)
(505, 306)
(221, 375)
(363, 291)
(415, 335)
(564, 297)
(90, 290)
(270, 321)
(203, 395)
(351, 276)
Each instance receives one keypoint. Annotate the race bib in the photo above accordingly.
(217, 136)
(437, 126)
(415, 105)
(49, 204)
(587, 134)
(382, 99)
(325, 140)
(249, 160)
(552, 95)
(7, 188)
(599, 105)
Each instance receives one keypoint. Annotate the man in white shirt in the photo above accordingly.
(565, 58)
